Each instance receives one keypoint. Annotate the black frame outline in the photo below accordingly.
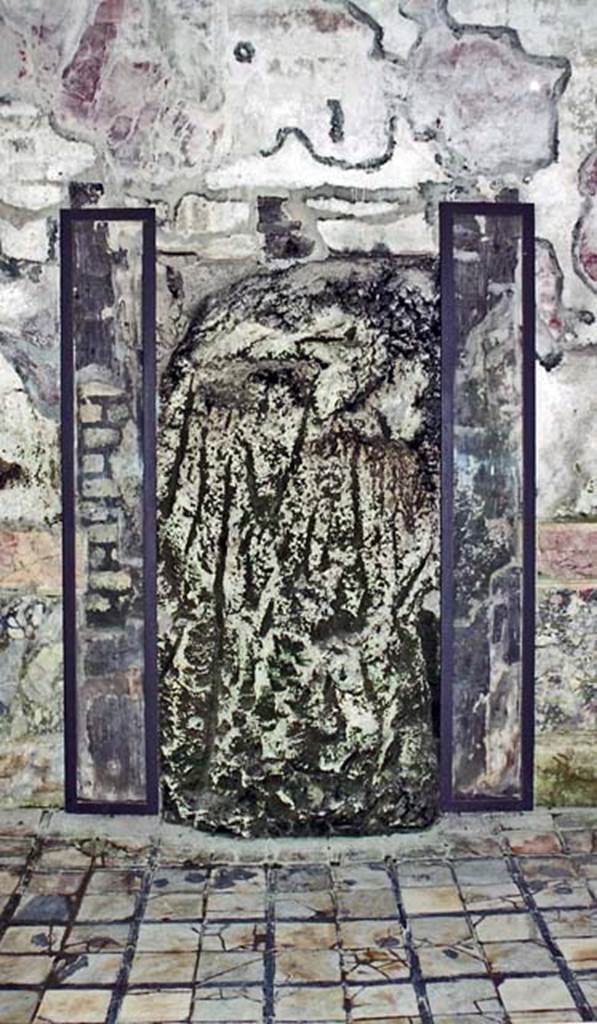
(448, 210)
(67, 376)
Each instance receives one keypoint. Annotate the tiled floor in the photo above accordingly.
(489, 928)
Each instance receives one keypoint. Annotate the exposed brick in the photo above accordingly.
(100, 437)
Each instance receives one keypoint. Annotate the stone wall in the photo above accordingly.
(269, 135)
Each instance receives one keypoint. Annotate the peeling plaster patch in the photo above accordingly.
(489, 105)
(585, 231)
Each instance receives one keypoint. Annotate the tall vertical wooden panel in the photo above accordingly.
(487, 255)
(108, 439)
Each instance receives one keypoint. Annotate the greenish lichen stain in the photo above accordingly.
(299, 469)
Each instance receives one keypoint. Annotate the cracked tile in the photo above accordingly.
(545, 993)
(230, 967)
(97, 938)
(581, 840)
(451, 961)
(376, 965)
(546, 869)
(174, 968)
(371, 934)
(110, 882)
(371, 1001)
(463, 996)
(561, 894)
(439, 899)
(588, 984)
(87, 968)
(59, 1006)
(308, 905)
(502, 896)
(572, 923)
(308, 965)
(521, 842)
(60, 857)
(228, 937)
(160, 1006)
(63, 883)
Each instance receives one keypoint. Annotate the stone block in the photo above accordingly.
(409, 234)
(196, 215)
(31, 560)
(567, 551)
(100, 437)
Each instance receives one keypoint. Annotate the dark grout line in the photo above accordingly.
(269, 953)
(343, 976)
(121, 983)
(565, 971)
(204, 896)
(417, 980)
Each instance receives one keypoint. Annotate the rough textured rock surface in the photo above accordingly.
(299, 479)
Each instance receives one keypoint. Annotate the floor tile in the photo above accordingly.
(546, 1017)
(504, 927)
(424, 873)
(307, 965)
(561, 894)
(160, 1006)
(311, 935)
(362, 876)
(309, 1004)
(230, 967)
(371, 1001)
(174, 906)
(8, 881)
(59, 858)
(190, 880)
(439, 899)
(223, 937)
(588, 984)
(53, 909)
(24, 970)
(371, 934)
(16, 1007)
(580, 954)
(586, 865)
(440, 931)
(119, 907)
(482, 871)
(60, 1006)
(572, 923)
(451, 961)
(367, 965)
(175, 968)
(237, 904)
(318, 904)
(97, 938)
(532, 842)
(233, 1005)
(496, 1017)
(63, 883)
(236, 877)
(501, 896)
(372, 903)
(308, 877)
(468, 996)
(87, 968)
(168, 938)
(580, 840)
(474, 846)
(545, 993)
(547, 869)
(111, 882)
(518, 957)
(31, 939)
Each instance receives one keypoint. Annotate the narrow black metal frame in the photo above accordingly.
(150, 676)
(448, 801)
